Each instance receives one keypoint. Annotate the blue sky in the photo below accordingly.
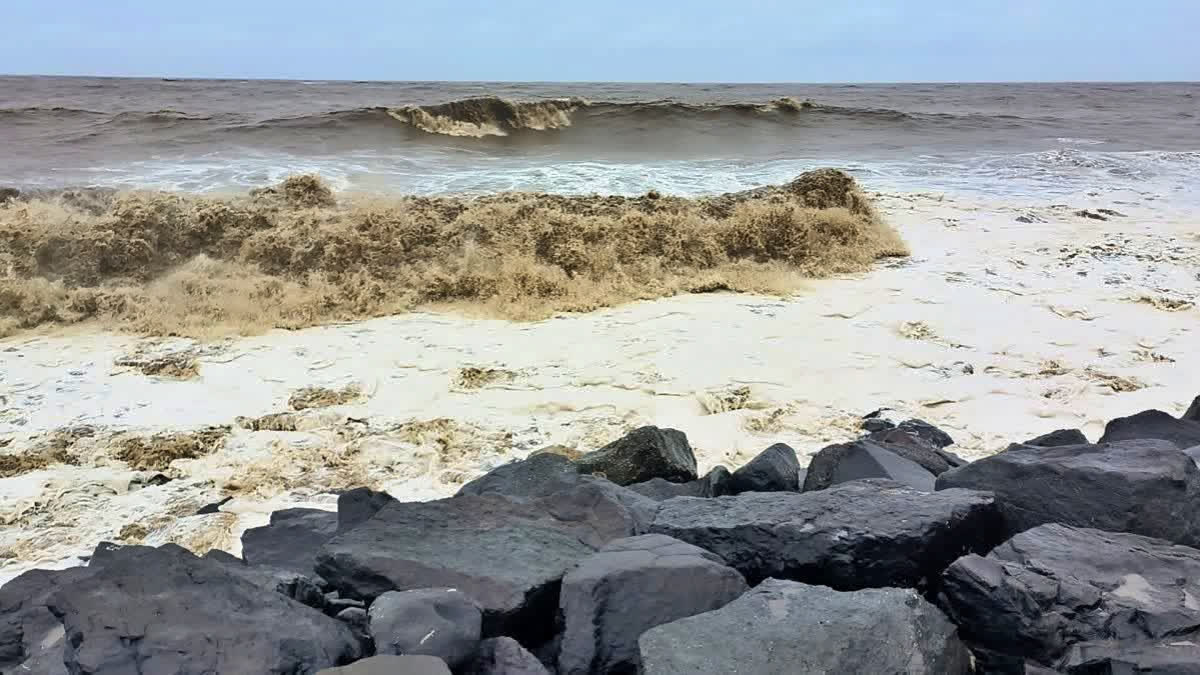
(623, 40)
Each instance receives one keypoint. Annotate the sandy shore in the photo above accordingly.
(995, 330)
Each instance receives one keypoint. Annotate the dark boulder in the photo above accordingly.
(914, 448)
(508, 554)
(536, 476)
(358, 621)
(163, 610)
(775, 469)
(1184, 433)
(506, 656)
(1193, 411)
(357, 505)
(783, 628)
(874, 425)
(1055, 585)
(715, 483)
(31, 637)
(291, 540)
(869, 533)
(630, 586)
(441, 622)
(391, 664)
(1146, 487)
(845, 462)
(642, 454)
(928, 432)
(8, 194)
(1176, 655)
(1059, 437)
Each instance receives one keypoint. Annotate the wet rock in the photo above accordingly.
(508, 554)
(1055, 585)
(873, 425)
(1059, 437)
(1153, 424)
(441, 622)
(783, 628)
(775, 469)
(1146, 487)
(506, 656)
(715, 483)
(914, 448)
(928, 432)
(630, 586)
(863, 534)
(952, 459)
(1176, 655)
(642, 454)
(1193, 411)
(356, 619)
(212, 507)
(291, 540)
(536, 476)
(391, 664)
(163, 610)
(31, 637)
(357, 505)
(845, 462)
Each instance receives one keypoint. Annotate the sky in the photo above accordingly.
(607, 40)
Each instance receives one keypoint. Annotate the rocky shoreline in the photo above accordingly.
(887, 554)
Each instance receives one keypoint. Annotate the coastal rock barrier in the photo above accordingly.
(887, 555)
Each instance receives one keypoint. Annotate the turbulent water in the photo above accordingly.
(429, 137)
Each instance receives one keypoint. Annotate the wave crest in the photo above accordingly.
(488, 116)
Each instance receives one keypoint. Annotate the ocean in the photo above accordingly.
(1036, 141)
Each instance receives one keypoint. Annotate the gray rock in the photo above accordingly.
(536, 476)
(1146, 487)
(1193, 411)
(506, 656)
(1059, 437)
(845, 462)
(1176, 655)
(357, 505)
(356, 619)
(642, 454)
(163, 610)
(1184, 433)
(874, 425)
(630, 586)
(1056, 585)
(775, 469)
(291, 540)
(31, 637)
(869, 533)
(390, 664)
(715, 483)
(441, 622)
(1194, 453)
(508, 554)
(952, 459)
(927, 431)
(915, 448)
(784, 628)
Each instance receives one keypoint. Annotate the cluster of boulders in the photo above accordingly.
(888, 554)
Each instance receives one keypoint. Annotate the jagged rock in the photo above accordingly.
(642, 454)
(775, 469)
(357, 505)
(928, 432)
(783, 628)
(1059, 437)
(31, 637)
(1193, 411)
(507, 554)
(713, 484)
(1146, 487)
(1055, 585)
(1176, 655)
(536, 476)
(1184, 433)
(212, 507)
(357, 620)
(441, 622)
(506, 656)
(632, 585)
(868, 533)
(952, 459)
(163, 610)
(391, 664)
(291, 540)
(915, 448)
(873, 425)
(845, 462)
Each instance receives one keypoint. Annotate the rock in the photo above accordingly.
(783, 628)
(357, 505)
(291, 540)
(952, 459)
(775, 469)
(441, 622)
(1059, 437)
(1146, 487)
(928, 432)
(31, 637)
(1054, 585)
(356, 619)
(630, 586)
(506, 656)
(163, 610)
(1153, 424)
(391, 664)
(212, 507)
(713, 484)
(845, 462)
(874, 425)
(1193, 411)
(1176, 655)
(8, 194)
(868, 533)
(508, 554)
(1194, 453)
(536, 476)
(914, 448)
(642, 454)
